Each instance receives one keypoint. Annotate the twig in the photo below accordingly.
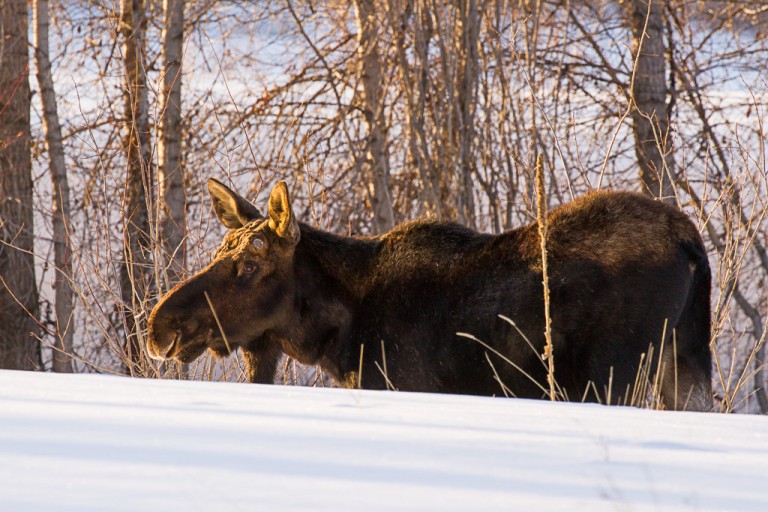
(216, 317)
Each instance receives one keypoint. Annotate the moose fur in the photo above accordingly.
(626, 273)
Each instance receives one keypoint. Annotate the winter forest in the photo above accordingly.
(114, 113)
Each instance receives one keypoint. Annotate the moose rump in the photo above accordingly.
(629, 282)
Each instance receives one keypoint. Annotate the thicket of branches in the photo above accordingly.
(374, 112)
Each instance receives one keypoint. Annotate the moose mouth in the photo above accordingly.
(187, 342)
(188, 348)
(194, 348)
(190, 352)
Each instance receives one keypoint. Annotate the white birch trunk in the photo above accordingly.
(170, 172)
(64, 294)
(376, 157)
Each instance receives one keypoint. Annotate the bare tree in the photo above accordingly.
(63, 279)
(371, 75)
(413, 72)
(467, 81)
(170, 172)
(19, 346)
(137, 210)
(650, 116)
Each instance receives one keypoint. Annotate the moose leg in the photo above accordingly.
(261, 363)
(688, 366)
(686, 385)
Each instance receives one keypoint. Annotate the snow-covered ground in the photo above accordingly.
(95, 443)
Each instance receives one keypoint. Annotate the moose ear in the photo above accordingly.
(281, 218)
(233, 210)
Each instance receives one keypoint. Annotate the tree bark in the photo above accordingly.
(376, 157)
(414, 82)
(650, 117)
(170, 171)
(19, 346)
(64, 294)
(137, 208)
(467, 96)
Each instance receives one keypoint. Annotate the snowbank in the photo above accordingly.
(86, 442)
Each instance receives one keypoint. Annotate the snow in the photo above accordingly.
(89, 442)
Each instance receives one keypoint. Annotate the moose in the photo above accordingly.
(629, 284)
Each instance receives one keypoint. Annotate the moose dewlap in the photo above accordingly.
(630, 302)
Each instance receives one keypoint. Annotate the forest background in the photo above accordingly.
(114, 114)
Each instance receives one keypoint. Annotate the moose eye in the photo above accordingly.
(257, 243)
(248, 268)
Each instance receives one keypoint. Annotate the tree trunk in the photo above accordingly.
(376, 157)
(414, 82)
(650, 117)
(19, 346)
(467, 95)
(170, 172)
(137, 209)
(65, 329)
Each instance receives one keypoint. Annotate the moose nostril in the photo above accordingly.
(162, 352)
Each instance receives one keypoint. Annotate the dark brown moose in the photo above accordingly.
(626, 273)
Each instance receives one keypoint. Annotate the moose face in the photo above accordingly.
(247, 289)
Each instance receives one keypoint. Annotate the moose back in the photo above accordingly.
(626, 273)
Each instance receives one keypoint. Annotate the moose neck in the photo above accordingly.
(332, 276)
(346, 261)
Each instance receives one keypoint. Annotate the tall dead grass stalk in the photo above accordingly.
(541, 214)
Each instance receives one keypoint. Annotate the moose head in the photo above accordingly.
(246, 290)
